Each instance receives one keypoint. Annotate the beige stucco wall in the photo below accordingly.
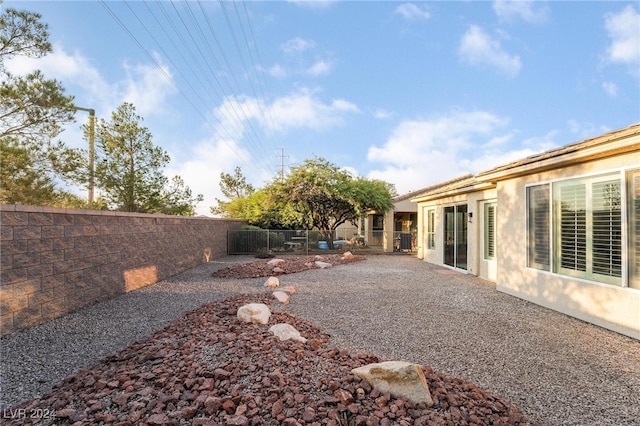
(476, 264)
(613, 307)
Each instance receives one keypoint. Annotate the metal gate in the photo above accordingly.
(252, 241)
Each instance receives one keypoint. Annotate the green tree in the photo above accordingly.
(129, 168)
(178, 199)
(30, 106)
(32, 113)
(323, 196)
(27, 177)
(236, 189)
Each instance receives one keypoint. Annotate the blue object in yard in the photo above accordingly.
(322, 245)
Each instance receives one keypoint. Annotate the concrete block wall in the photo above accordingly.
(54, 261)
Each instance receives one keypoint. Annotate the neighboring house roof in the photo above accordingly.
(609, 144)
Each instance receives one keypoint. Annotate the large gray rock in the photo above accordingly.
(401, 379)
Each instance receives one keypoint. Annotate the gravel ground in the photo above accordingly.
(555, 369)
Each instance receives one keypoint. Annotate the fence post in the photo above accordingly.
(268, 245)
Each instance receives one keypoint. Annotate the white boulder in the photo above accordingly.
(272, 282)
(401, 379)
(257, 313)
(282, 297)
(286, 331)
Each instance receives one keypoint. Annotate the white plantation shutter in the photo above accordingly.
(607, 228)
(634, 229)
(573, 227)
(538, 227)
(588, 226)
(490, 212)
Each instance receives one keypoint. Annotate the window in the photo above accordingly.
(538, 227)
(431, 229)
(585, 227)
(633, 182)
(588, 228)
(490, 218)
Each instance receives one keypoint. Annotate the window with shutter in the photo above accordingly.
(573, 228)
(490, 212)
(588, 227)
(431, 229)
(634, 228)
(539, 232)
(589, 237)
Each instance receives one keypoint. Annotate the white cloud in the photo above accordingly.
(297, 45)
(412, 12)
(304, 110)
(527, 10)
(277, 71)
(320, 68)
(148, 88)
(419, 153)
(208, 159)
(610, 88)
(381, 114)
(478, 48)
(69, 69)
(624, 30)
(313, 4)
(583, 130)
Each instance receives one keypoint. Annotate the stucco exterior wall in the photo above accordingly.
(476, 264)
(613, 307)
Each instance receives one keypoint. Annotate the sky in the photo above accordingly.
(413, 93)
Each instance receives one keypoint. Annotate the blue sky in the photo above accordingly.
(413, 93)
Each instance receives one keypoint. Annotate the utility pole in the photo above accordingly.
(282, 156)
(92, 149)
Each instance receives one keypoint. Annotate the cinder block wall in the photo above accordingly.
(54, 261)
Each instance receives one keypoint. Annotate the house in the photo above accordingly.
(395, 230)
(560, 229)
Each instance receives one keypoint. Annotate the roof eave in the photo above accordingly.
(480, 186)
(599, 150)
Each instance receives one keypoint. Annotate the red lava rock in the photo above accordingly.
(218, 372)
(291, 265)
(158, 419)
(344, 396)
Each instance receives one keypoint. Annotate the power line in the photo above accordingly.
(199, 68)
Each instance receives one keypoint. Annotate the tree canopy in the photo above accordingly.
(33, 110)
(325, 196)
(234, 187)
(129, 168)
(317, 194)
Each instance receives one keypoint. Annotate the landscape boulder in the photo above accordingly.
(322, 265)
(275, 262)
(257, 313)
(282, 297)
(272, 282)
(289, 289)
(286, 331)
(401, 379)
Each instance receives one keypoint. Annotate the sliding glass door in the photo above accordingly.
(455, 236)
